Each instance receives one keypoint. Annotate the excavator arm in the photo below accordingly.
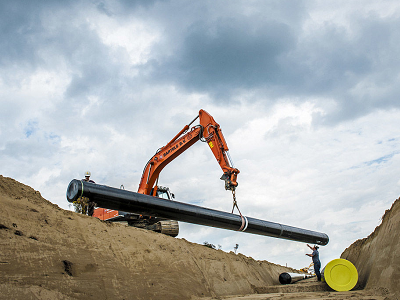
(207, 131)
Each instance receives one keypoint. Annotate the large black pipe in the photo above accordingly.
(287, 278)
(123, 200)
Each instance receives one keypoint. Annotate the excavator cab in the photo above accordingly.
(164, 193)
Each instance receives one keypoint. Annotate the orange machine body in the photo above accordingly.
(207, 131)
(105, 214)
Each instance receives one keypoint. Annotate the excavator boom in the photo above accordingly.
(207, 131)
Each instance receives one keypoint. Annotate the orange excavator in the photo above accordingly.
(207, 131)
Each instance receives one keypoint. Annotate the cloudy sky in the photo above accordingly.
(306, 93)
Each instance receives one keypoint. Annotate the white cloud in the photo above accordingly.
(135, 36)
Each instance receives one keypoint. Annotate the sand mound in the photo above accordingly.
(50, 253)
(377, 257)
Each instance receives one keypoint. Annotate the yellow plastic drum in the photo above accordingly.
(340, 274)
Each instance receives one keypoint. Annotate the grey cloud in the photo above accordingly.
(265, 50)
(19, 22)
(22, 29)
(124, 8)
(32, 40)
(277, 58)
(101, 7)
(358, 70)
(128, 4)
(227, 55)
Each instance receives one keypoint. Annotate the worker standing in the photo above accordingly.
(90, 204)
(83, 205)
(316, 261)
(87, 177)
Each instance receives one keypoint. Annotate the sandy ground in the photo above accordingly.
(50, 253)
(310, 289)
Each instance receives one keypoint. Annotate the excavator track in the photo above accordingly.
(169, 227)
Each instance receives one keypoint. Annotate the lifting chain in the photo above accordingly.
(235, 203)
(245, 222)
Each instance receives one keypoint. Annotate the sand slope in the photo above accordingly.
(50, 253)
(377, 257)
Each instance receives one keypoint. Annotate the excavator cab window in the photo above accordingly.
(164, 192)
(163, 195)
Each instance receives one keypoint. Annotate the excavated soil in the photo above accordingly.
(50, 253)
(377, 257)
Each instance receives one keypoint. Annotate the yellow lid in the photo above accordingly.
(341, 275)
